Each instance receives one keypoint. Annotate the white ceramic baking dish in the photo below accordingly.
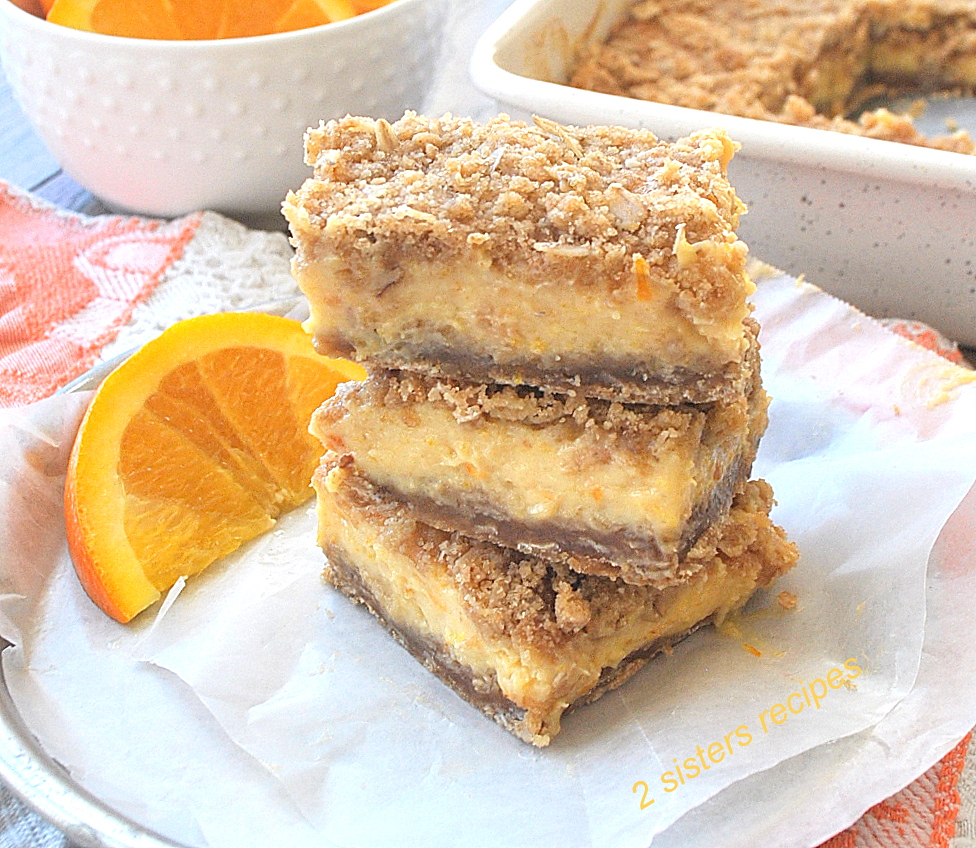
(888, 227)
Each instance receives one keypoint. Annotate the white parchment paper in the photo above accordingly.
(263, 708)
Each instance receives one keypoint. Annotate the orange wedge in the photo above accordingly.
(201, 19)
(189, 449)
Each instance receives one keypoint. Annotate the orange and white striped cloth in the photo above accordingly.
(922, 815)
(71, 286)
(68, 284)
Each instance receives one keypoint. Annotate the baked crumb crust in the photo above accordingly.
(804, 62)
(634, 382)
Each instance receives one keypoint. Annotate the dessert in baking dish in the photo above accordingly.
(608, 488)
(808, 62)
(598, 259)
(544, 480)
(521, 638)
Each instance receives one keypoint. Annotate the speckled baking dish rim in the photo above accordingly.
(883, 225)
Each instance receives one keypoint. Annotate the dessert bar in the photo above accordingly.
(544, 480)
(596, 259)
(617, 489)
(521, 638)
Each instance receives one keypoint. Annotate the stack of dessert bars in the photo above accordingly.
(545, 479)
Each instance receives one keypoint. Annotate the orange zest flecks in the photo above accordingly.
(643, 274)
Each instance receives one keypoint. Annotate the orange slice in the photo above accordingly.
(189, 449)
(202, 19)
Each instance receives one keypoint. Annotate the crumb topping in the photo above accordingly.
(787, 600)
(583, 202)
(805, 62)
(545, 604)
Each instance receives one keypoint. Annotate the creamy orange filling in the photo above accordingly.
(469, 305)
(567, 474)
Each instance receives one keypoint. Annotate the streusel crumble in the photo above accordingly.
(814, 63)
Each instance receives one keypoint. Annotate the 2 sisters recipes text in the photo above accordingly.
(809, 695)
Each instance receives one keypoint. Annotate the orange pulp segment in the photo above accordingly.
(202, 19)
(190, 448)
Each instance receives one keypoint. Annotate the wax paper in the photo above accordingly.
(258, 705)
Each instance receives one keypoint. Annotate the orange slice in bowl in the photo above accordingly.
(201, 19)
(190, 448)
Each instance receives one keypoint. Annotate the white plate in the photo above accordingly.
(885, 226)
(37, 780)
(819, 791)
(26, 769)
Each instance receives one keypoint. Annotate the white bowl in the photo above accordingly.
(888, 227)
(168, 127)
